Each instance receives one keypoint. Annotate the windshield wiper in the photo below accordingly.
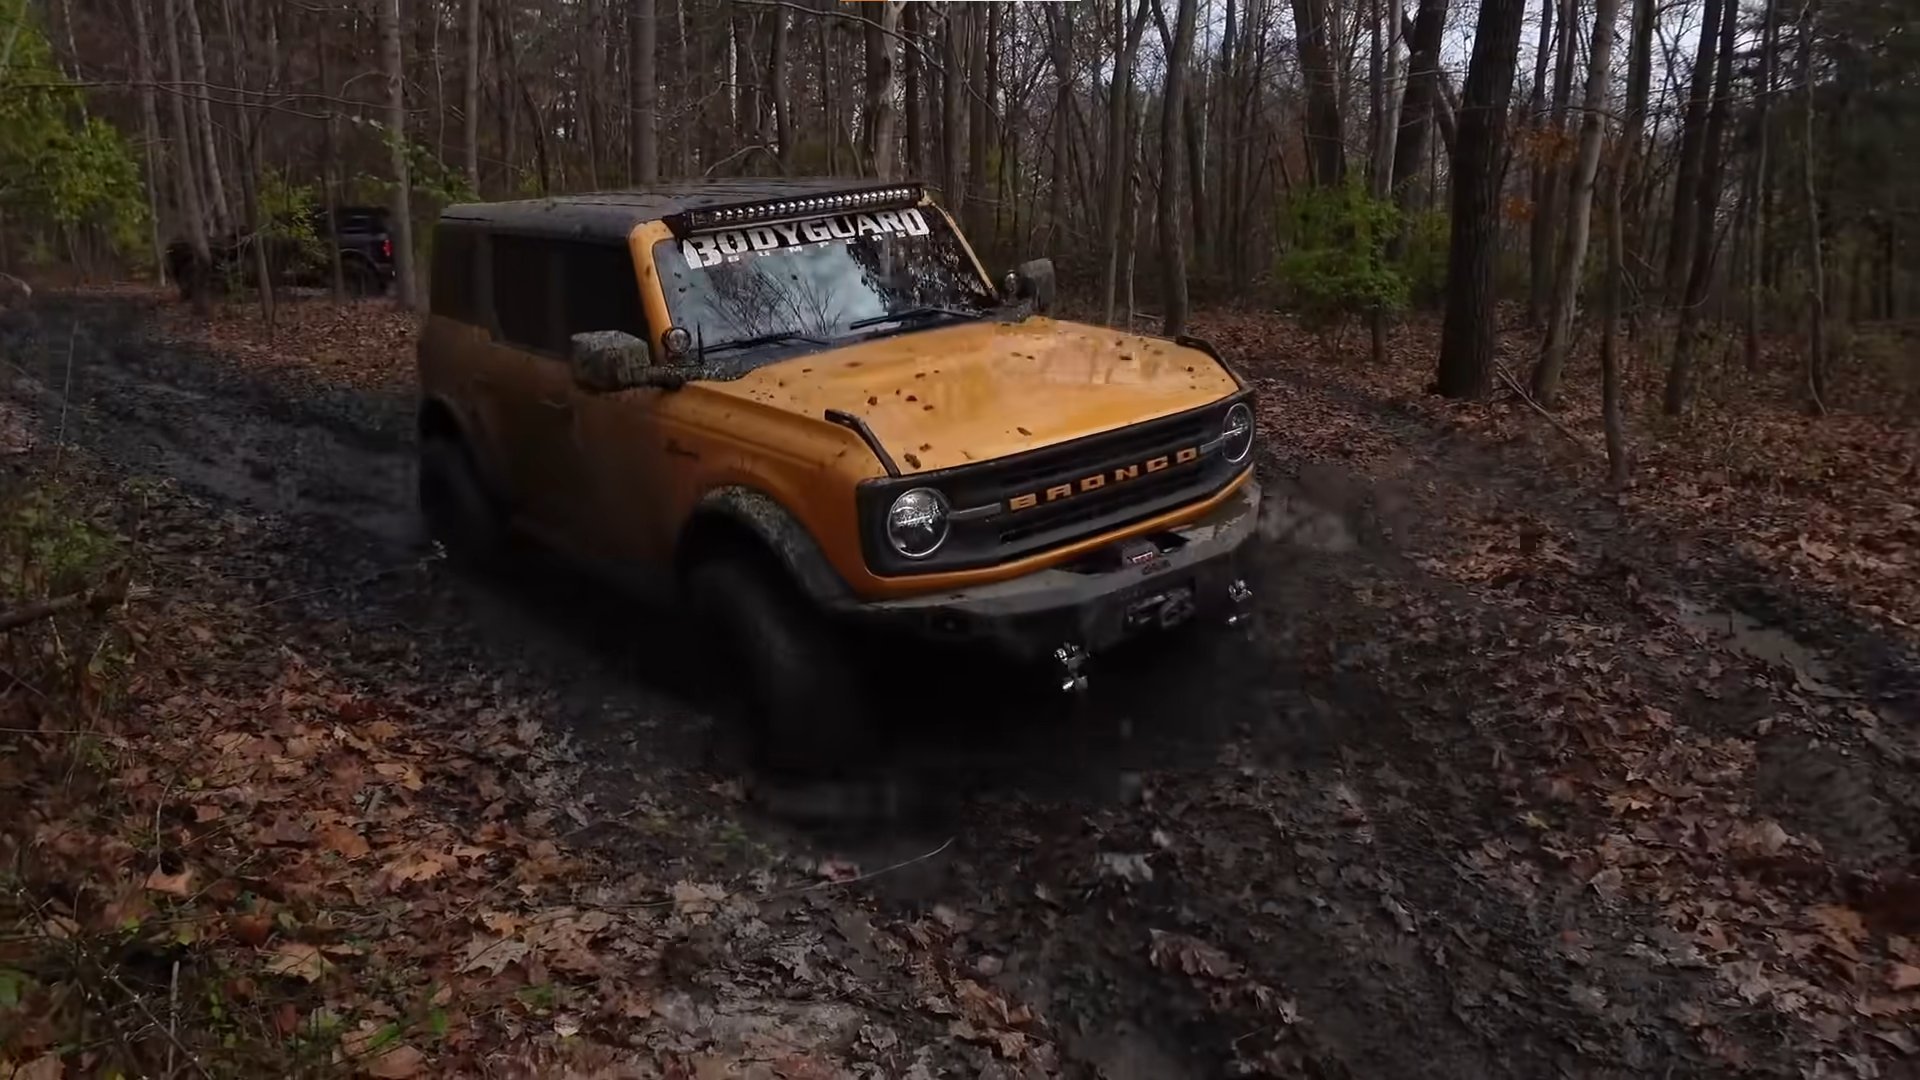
(915, 314)
(781, 337)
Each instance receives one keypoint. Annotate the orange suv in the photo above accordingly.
(796, 404)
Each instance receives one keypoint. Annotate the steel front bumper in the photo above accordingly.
(1187, 574)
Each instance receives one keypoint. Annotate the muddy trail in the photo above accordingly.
(1503, 785)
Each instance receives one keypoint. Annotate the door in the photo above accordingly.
(524, 380)
(602, 492)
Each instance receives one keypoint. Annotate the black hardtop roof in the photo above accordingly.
(611, 215)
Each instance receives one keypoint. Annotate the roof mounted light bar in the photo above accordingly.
(716, 217)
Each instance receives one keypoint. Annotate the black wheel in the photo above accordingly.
(460, 512)
(786, 683)
(361, 280)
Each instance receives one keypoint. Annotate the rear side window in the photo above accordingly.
(455, 266)
(545, 291)
(523, 292)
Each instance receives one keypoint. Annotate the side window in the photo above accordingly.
(523, 286)
(601, 290)
(454, 268)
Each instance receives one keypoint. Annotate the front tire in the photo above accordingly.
(459, 510)
(788, 686)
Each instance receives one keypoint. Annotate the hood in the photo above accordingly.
(978, 391)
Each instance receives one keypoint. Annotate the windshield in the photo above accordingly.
(819, 280)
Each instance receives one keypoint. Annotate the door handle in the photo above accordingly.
(557, 406)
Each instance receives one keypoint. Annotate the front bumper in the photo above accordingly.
(1187, 574)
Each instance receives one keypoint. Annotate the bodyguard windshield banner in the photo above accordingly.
(728, 245)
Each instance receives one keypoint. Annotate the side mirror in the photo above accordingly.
(1033, 281)
(604, 361)
(608, 361)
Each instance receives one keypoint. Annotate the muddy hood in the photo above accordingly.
(978, 391)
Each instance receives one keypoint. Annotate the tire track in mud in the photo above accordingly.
(1277, 800)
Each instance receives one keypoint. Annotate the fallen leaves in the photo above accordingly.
(1190, 955)
(177, 884)
(299, 960)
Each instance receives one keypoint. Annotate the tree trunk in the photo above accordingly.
(1060, 22)
(1611, 422)
(1173, 109)
(1757, 183)
(913, 26)
(1639, 82)
(1386, 136)
(1327, 147)
(470, 98)
(882, 80)
(391, 64)
(1423, 90)
(952, 117)
(1706, 210)
(221, 211)
(1470, 330)
(1573, 252)
(1693, 144)
(1119, 98)
(1538, 225)
(980, 210)
(150, 135)
(1816, 259)
(643, 131)
(780, 98)
(186, 179)
(1197, 174)
(1547, 212)
(329, 170)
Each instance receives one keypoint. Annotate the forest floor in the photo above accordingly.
(1519, 778)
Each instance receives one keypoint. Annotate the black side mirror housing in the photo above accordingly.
(608, 361)
(1033, 281)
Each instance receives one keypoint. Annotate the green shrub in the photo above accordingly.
(1335, 265)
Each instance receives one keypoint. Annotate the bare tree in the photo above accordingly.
(470, 98)
(222, 214)
(1422, 96)
(883, 47)
(1326, 144)
(185, 180)
(1119, 110)
(1705, 209)
(1469, 333)
(1173, 255)
(1573, 251)
(390, 62)
(150, 134)
(1757, 180)
(1816, 259)
(1538, 226)
(1693, 146)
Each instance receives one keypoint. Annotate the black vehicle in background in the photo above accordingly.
(366, 256)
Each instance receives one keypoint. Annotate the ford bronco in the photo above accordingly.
(798, 406)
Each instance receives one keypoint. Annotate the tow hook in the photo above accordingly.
(1241, 597)
(1071, 658)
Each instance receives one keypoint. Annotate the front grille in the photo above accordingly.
(1088, 508)
(997, 533)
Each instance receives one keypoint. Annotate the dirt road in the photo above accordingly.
(1510, 783)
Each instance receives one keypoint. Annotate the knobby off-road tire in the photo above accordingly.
(460, 512)
(780, 670)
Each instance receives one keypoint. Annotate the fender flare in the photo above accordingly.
(778, 532)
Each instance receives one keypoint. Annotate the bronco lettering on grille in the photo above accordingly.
(1095, 482)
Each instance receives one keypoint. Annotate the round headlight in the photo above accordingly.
(917, 523)
(1236, 433)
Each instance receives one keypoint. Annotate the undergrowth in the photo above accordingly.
(112, 961)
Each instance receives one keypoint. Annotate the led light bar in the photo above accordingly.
(880, 198)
